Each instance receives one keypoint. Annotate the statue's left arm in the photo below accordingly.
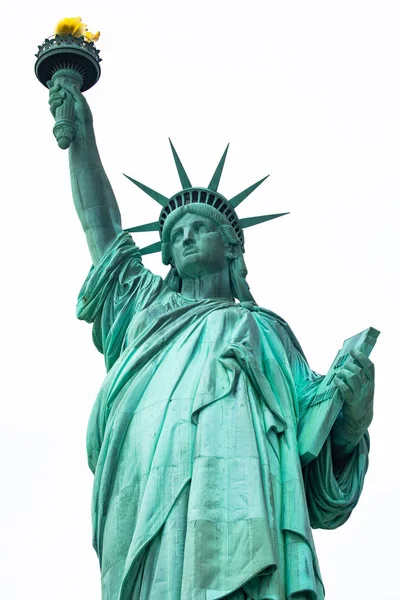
(334, 480)
(355, 383)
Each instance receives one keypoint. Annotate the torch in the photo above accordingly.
(69, 56)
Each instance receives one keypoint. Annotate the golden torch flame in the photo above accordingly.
(75, 27)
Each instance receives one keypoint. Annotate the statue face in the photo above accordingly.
(197, 247)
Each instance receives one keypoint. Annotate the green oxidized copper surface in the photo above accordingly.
(214, 446)
(200, 196)
(73, 60)
(68, 52)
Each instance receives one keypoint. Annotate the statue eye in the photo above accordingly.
(200, 227)
(176, 236)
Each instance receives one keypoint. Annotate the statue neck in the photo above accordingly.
(211, 285)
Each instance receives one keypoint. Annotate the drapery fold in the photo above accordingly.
(198, 488)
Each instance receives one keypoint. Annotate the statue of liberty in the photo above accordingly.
(201, 489)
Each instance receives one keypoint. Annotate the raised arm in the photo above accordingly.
(93, 196)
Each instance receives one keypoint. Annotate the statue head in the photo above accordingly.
(200, 231)
(198, 247)
(198, 241)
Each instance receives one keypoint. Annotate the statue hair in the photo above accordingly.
(237, 266)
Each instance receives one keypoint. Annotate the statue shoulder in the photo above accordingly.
(282, 328)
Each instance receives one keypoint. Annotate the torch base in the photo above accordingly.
(68, 52)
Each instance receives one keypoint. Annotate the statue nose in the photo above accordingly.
(188, 239)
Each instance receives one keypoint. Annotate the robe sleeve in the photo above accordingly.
(332, 495)
(115, 289)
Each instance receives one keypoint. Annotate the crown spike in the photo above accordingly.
(250, 221)
(163, 200)
(243, 195)
(146, 227)
(150, 249)
(181, 171)
(214, 183)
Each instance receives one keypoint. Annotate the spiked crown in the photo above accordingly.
(209, 196)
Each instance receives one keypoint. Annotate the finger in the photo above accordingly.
(73, 90)
(343, 388)
(54, 105)
(363, 360)
(350, 379)
(357, 372)
(77, 95)
(53, 87)
(354, 368)
(53, 96)
(57, 98)
(347, 373)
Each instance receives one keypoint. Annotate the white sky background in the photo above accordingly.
(307, 91)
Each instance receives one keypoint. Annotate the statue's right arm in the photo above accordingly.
(93, 196)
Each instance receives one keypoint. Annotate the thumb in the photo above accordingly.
(72, 89)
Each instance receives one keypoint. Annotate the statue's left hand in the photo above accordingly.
(355, 381)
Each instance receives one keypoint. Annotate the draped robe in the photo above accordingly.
(198, 490)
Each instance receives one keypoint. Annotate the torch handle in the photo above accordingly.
(64, 129)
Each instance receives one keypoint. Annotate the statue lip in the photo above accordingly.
(189, 251)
